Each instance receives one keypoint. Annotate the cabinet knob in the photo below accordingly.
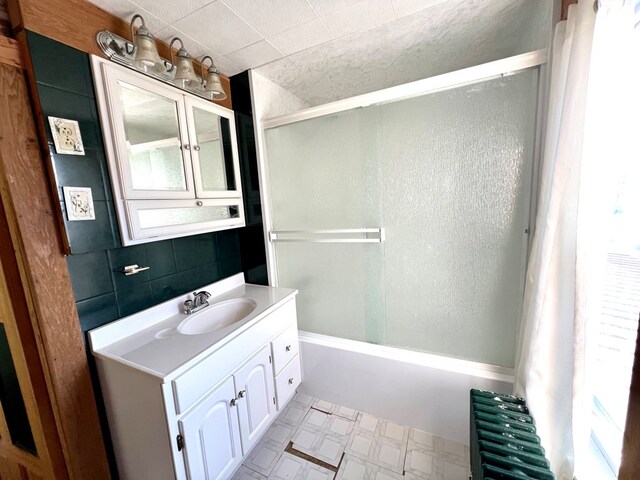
(186, 146)
(233, 402)
(291, 381)
(199, 203)
(196, 148)
(288, 348)
(241, 393)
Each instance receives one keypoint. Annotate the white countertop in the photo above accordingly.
(148, 341)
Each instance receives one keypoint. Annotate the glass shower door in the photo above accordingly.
(448, 176)
(458, 165)
(325, 199)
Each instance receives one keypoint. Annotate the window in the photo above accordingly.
(618, 325)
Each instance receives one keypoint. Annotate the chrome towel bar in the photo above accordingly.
(339, 235)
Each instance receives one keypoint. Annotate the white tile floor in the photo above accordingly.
(349, 445)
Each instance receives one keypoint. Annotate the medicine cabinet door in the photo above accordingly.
(151, 138)
(213, 150)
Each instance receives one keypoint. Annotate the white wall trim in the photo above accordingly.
(438, 83)
(450, 364)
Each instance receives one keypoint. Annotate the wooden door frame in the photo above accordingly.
(630, 464)
(48, 462)
(47, 338)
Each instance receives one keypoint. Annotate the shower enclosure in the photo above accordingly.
(402, 216)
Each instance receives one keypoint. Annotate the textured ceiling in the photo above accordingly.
(312, 47)
(243, 34)
(448, 36)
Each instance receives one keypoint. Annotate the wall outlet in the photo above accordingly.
(66, 136)
(78, 203)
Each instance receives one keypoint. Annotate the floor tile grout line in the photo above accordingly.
(339, 464)
(335, 469)
(247, 466)
(311, 459)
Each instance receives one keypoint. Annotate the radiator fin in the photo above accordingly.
(504, 444)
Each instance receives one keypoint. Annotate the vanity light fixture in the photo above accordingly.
(212, 85)
(185, 74)
(141, 54)
(146, 57)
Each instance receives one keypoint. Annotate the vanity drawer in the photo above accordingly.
(287, 381)
(285, 347)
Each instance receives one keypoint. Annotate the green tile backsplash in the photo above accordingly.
(176, 267)
(102, 292)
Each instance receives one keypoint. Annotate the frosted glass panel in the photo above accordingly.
(458, 173)
(324, 173)
(448, 176)
(164, 217)
(341, 287)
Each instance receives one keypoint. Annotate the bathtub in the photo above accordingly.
(422, 390)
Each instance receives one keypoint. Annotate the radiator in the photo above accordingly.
(504, 444)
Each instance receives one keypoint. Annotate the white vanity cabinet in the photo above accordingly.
(212, 432)
(256, 394)
(191, 407)
(230, 420)
(173, 157)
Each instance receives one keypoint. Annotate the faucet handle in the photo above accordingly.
(203, 293)
(188, 306)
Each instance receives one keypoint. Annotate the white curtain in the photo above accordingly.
(587, 136)
(550, 370)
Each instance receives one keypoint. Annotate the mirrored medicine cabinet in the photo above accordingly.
(173, 157)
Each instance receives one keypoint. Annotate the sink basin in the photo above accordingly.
(216, 316)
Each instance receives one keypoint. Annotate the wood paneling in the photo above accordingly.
(10, 469)
(10, 52)
(61, 238)
(48, 297)
(49, 18)
(15, 317)
(630, 466)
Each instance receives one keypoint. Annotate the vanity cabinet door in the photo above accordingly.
(214, 151)
(211, 434)
(151, 140)
(256, 397)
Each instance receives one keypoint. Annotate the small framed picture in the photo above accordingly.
(66, 136)
(78, 203)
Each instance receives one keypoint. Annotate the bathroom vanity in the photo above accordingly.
(188, 396)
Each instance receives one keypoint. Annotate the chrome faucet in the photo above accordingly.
(198, 303)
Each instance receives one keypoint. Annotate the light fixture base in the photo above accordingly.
(117, 50)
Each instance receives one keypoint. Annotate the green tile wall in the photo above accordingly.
(252, 245)
(178, 266)
(65, 89)
(11, 399)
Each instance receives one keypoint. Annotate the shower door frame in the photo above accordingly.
(438, 83)
(468, 76)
